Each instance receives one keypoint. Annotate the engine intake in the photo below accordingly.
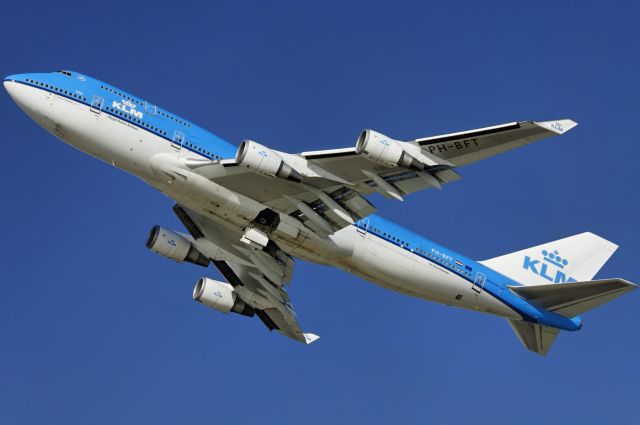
(220, 296)
(386, 151)
(174, 246)
(266, 161)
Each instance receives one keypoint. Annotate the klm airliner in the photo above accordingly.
(251, 210)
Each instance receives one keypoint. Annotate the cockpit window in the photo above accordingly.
(67, 73)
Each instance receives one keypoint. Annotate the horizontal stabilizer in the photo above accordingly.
(573, 299)
(535, 338)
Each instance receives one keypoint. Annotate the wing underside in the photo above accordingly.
(258, 277)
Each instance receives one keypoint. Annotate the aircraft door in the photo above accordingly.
(178, 140)
(150, 108)
(97, 103)
(362, 226)
(478, 283)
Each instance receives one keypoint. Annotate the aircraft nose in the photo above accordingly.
(24, 96)
(9, 85)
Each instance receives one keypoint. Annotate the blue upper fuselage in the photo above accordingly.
(151, 118)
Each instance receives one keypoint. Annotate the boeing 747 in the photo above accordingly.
(252, 210)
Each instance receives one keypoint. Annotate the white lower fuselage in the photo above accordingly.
(351, 249)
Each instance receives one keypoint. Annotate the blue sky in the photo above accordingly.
(96, 329)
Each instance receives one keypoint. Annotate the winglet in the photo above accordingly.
(309, 337)
(558, 126)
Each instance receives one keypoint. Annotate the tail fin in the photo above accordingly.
(576, 258)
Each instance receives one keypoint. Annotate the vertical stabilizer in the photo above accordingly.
(576, 258)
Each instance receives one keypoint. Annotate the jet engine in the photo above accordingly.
(220, 296)
(386, 151)
(174, 246)
(266, 161)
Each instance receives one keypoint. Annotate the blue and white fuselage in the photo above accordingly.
(128, 132)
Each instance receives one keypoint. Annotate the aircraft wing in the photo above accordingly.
(445, 151)
(471, 146)
(327, 190)
(258, 276)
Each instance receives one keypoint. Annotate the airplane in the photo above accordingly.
(250, 210)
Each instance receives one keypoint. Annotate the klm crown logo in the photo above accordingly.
(551, 267)
(554, 258)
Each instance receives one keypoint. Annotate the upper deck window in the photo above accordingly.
(124, 96)
(67, 73)
(171, 117)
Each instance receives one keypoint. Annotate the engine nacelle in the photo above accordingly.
(266, 161)
(386, 151)
(220, 296)
(174, 246)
